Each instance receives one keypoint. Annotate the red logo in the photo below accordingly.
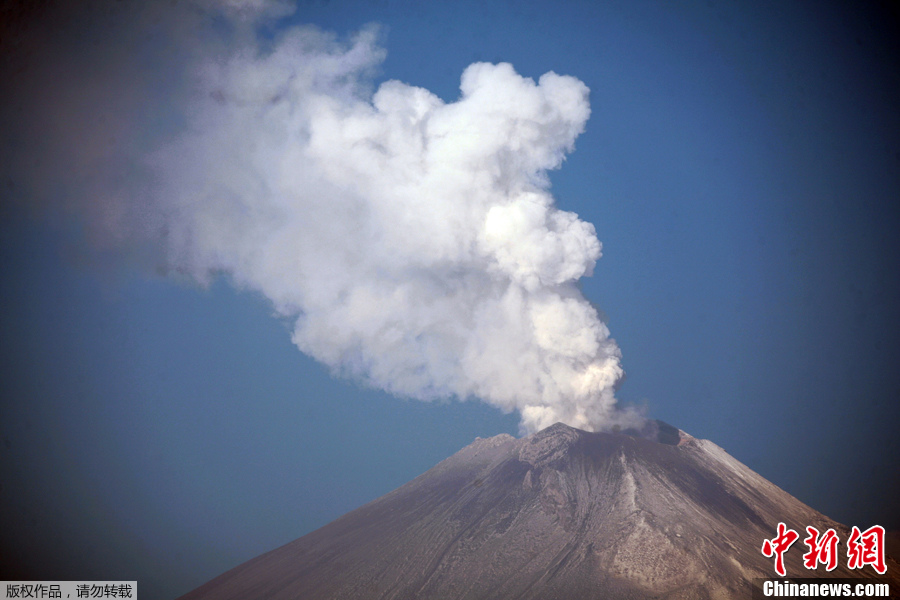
(863, 548)
(870, 551)
(822, 550)
(778, 545)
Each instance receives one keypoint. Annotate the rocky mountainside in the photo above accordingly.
(562, 513)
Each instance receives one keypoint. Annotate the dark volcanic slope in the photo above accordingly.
(560, 514)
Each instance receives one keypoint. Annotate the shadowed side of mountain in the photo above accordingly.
(561, 513)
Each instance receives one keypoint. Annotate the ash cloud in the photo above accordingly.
(413, 243)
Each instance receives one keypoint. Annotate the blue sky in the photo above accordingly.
(740, 166)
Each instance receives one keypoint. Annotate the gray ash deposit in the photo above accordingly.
(562, 513)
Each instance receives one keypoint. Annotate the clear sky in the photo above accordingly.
(741, 167)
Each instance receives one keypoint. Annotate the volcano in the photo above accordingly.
(562, 513)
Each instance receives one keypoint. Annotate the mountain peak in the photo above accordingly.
(559, 513)
(558, 428)
(493, 441)
(549, 444)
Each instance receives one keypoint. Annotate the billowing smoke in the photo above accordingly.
(413, 243)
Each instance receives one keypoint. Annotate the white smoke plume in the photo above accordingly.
(413, 243)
